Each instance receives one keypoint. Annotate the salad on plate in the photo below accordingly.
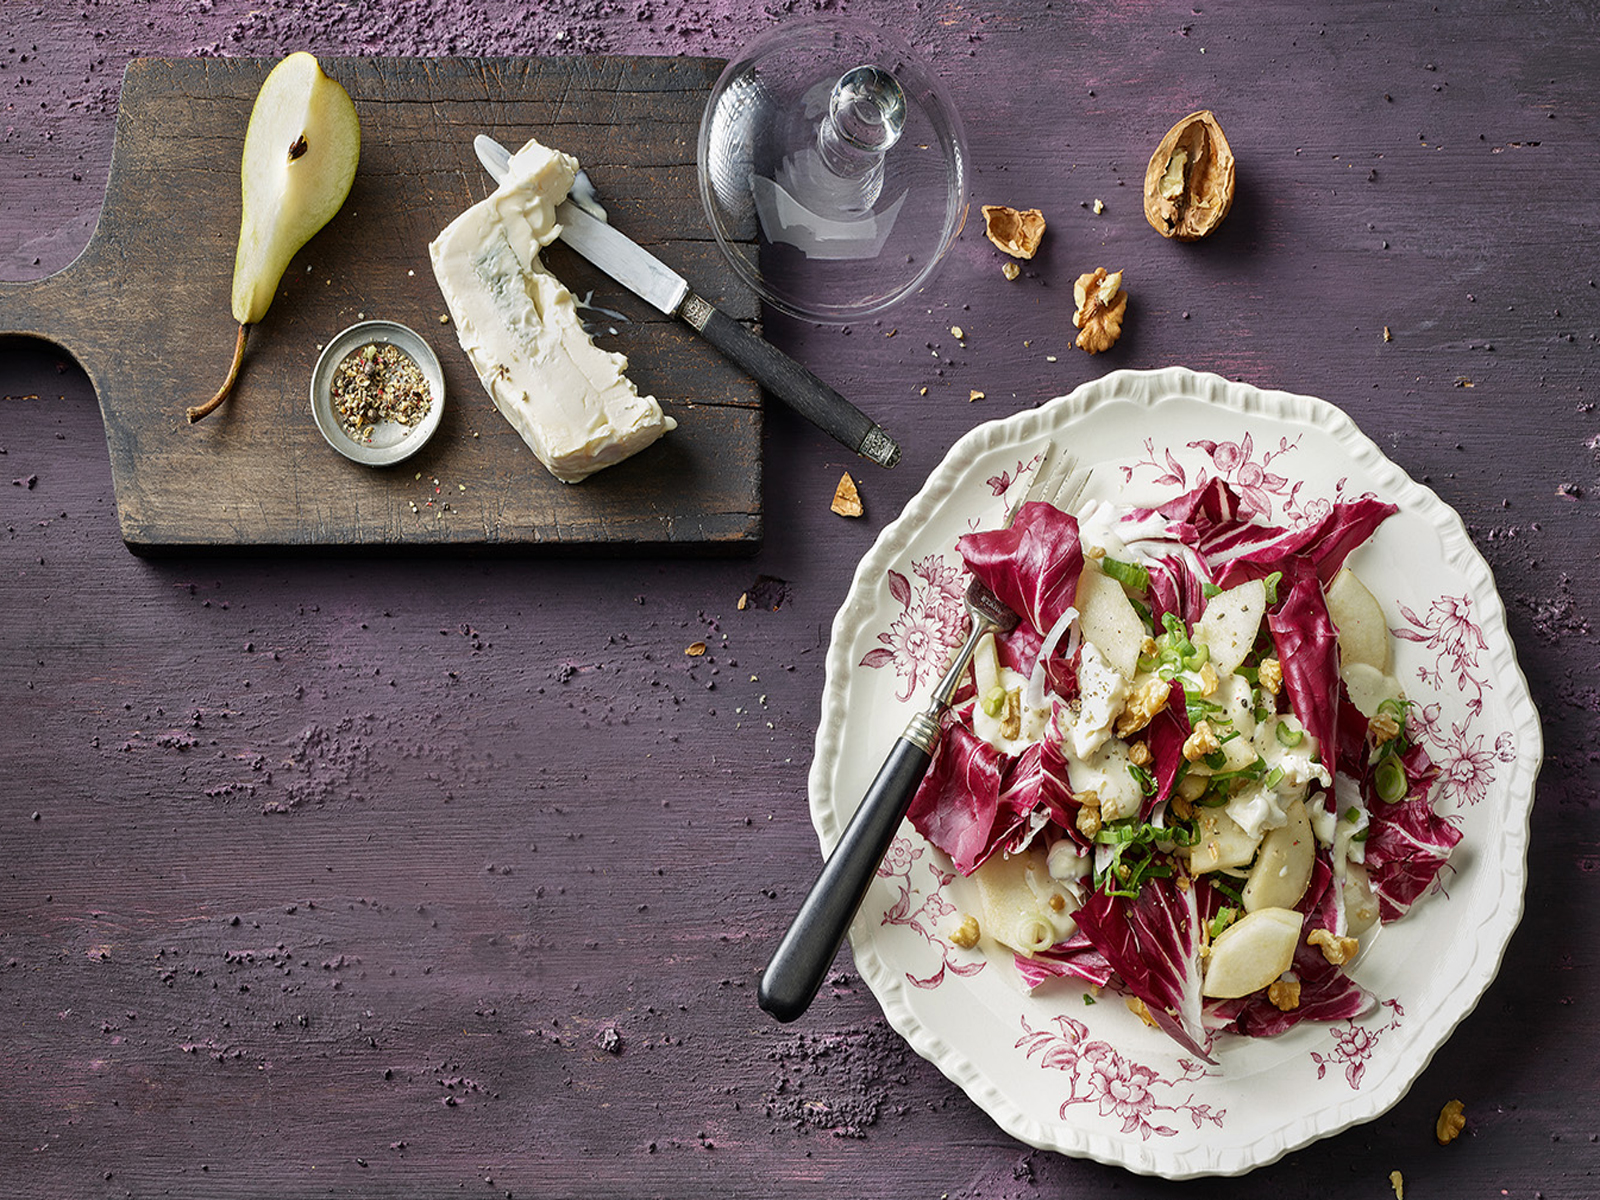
(1186, 776)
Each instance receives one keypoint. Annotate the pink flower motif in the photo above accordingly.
(919, 645)
(937, 907)
(1315, 509)
(1123, 1089)
(1468, 770)
(899, 858)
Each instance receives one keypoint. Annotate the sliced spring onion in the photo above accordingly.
(1129, 574)
(994, 700)
(1145, 780)
(1390, 780)
(1289, 736)
(1272, 586)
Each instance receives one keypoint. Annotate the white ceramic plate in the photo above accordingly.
(1091, 1080)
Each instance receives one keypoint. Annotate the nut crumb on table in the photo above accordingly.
(847, 498)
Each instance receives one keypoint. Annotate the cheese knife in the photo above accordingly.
(658, 284)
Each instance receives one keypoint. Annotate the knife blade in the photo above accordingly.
(664, 289)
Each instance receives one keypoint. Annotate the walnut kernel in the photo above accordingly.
(1452, 1120)
(1337, 950)
(1383, 728)
(1088, 820)
(1188, 186)
(1201, 742)
(1101, 306)
(1284, 994)
(1017, 232)
(965, 935)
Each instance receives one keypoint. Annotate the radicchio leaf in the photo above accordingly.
(956, 805)
(1077, 957)
(1033, 566)
(1153, 944)
(1308, 651)
(1407, 845)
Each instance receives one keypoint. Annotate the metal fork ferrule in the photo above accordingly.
(923, 731)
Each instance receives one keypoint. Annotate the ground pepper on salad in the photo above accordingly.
(1179, 778)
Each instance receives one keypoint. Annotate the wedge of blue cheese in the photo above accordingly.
(519, 326)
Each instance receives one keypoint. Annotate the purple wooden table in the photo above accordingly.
(402, 875)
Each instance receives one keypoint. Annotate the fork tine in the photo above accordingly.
(1058, 478)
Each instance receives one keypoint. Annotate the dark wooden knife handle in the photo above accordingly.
(792, 383)
(807, 950)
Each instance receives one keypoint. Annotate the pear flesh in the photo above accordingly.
(299, 161)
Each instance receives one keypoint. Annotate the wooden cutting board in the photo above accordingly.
(145, 310)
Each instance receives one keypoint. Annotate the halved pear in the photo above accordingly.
(300, 155)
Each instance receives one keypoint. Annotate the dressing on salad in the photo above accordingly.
(1186, 774)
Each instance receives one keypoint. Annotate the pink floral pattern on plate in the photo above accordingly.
(1117, 1086)
(933, 908)
(1353, 1044)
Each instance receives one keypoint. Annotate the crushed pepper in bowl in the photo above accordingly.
(375, 383)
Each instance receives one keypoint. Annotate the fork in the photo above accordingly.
(803, 957)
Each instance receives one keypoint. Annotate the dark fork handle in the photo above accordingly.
(807, 951)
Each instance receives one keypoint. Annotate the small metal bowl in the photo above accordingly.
(391, 442)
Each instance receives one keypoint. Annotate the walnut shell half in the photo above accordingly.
(1016, 231)
(1188, 186)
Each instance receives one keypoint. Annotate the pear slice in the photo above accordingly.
(300, 155)
(1357, 615)
(1229, 625)
(1283, 868)
(1108, 619)
(1251, 953)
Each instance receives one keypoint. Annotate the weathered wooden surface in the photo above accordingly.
(145, 311)
(472, 815)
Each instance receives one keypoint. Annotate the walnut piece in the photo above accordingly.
(1017, 232)
(846, 499)
(1089, 814)
(965, 935)
(1201, 742)
(1011, 715)
(1101, 306)
(1188, 186)
(1383, 728)
(1270, 676)
(1337, 950)
(1452, 1120)
(1148, 699)
(1141, 1010)
(1284, 994)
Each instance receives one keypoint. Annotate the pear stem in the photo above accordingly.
(211, 405)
